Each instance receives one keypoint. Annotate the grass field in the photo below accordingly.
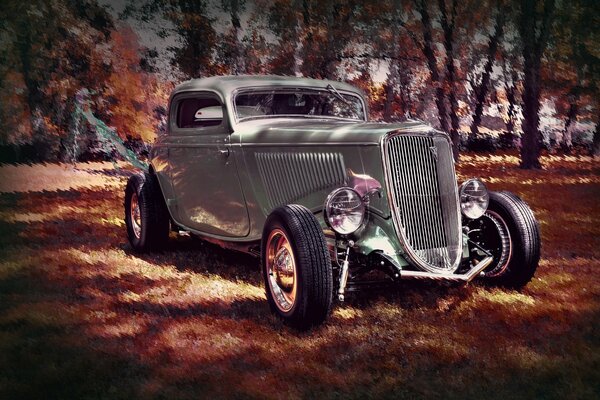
(84, 317)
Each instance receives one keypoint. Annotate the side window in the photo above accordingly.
(199, 113)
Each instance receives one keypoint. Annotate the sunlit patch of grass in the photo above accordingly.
(12, 267)
(53, 177)
(130, 327)
(522, 357)
(500, 297)
(348, 313)
(552, 280)
(202, 341)
(119, 222)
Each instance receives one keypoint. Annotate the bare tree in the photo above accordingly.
(444, 81)
(596, 141)
(428, 49)
(481, 88)
(448, 23)
(233, 39)
(534, 27)
(509, 85)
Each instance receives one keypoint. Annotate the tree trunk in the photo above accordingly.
(566, 143)
(530, 143)
(450, 89)
(237, 29)
(575, 93)
(389, 98)
(34, 94)
(394, 68)
(481, 90)
(405, 98)
(328, 68)
(509, 137)
(428, 52)
(596, 140)
(299, 46)
(305, 69)
(533, 48)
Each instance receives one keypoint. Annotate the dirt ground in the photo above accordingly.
(84, 317)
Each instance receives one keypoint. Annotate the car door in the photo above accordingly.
(207, 191)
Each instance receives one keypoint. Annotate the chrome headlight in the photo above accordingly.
(474, 198)
(344, 211)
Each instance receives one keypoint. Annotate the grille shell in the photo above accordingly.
(423, 197)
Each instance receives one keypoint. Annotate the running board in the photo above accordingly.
(467, 277)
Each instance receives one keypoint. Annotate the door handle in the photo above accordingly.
(224, 152)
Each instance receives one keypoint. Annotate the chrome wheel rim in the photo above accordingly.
(135, 215)
(503, 245)
(282, 276)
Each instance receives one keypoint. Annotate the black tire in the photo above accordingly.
(151, 231)
(313, 279)
(520, 260)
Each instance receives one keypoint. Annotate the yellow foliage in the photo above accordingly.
(135, 93)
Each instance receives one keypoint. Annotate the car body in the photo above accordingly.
(237, 148)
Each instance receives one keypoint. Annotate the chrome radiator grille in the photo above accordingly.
(424, 200)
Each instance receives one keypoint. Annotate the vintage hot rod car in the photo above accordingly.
(292, 170)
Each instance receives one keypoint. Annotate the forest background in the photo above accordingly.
(492, 73)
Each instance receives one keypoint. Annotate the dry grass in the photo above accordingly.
(82, 316)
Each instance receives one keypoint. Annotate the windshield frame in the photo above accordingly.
(298, 88)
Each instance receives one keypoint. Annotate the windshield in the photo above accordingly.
(297, 102)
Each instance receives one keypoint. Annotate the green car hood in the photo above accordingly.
(305, 131)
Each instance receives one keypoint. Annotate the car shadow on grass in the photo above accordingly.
(189, 254)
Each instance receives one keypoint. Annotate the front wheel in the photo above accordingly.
(510, 232)
(296, 267)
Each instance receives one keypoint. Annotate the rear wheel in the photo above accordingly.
(510, 232)
(296, 267)
(146, 215)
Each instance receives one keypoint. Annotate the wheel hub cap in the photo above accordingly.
(284, 270)
(135, 216)
(281, 270)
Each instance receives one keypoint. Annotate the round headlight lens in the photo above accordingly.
(344, 211)
(474, 198)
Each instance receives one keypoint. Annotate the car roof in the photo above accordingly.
(225, 85)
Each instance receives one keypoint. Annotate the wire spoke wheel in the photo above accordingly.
(281, 270)
(491, 232)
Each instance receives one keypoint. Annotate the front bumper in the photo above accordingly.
(467, 276)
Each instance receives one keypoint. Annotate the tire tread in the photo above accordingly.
(525, 234)
(312, 257)
(155, 216)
